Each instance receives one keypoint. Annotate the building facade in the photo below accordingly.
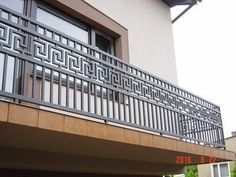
(89, 88)
(222, 169)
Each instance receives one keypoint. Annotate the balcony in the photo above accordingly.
(43, 67)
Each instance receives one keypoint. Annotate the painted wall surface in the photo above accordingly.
(149, 31)
(231, 146)
(204, 170)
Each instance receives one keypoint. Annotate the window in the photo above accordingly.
(16, 5)
(62, 25)
(75, 29)
(58, 21)
(220, 170)
(48, 15)
(104, 42)
(215, 171)
(224, 170)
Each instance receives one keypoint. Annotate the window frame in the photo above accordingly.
(87, 15)
(65, 17)
(218, 168)
(94, 32)
(32, 11)
(23, 8)
(59, 14)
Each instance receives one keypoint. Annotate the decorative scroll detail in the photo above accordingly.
(77, 58)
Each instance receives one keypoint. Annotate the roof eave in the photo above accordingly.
(172, 3)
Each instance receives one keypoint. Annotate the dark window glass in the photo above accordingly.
(215, 171)
(224, 170)
(103, 43)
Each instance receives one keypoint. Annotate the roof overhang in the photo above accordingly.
(172, 3)
(188, 3)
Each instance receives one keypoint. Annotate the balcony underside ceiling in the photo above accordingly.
(38, 146)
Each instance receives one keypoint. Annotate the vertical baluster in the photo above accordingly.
(176, 122)
(4, 72)
(14, 87)
(89, 96)
(43, 84)
(206, 131)
(186, 118)
(95, 98)
(203, 130)
(59, 88)
(75, 93)
(134, 107)
(153, 116)
(113, 104)
(222, 140)
(192, 127)
(160, 114)
(199, 136)
(195, 128)
(101, 98)
(185, 125)
(189, 126)
(9, 16)
(124, 107)
(213, 134)
(34, 80)
(119, 110)
(51, 86)
(67, 90)
(108, 100)
(168, 120)
(210, 132)
(148, 115)
(157, 117)
(182, 124)
(139, 112)
(164, 119)
(129, 107)
(217, 135)
(25, 79)
(82, 95)
(214, 130)
(144, 113)
(172, 121)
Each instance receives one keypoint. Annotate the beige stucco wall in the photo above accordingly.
(204, 170)
(231, 146)
(149, 31)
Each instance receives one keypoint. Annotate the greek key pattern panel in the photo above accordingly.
(45, 45)
(78, 64)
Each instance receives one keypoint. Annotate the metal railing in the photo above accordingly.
(41, 65)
